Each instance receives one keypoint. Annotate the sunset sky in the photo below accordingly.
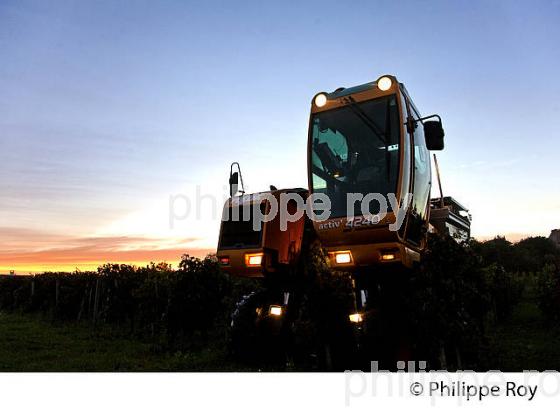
(108, 109)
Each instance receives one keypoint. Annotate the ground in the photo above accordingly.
(31, 344)
(28, 343)
(525, 342)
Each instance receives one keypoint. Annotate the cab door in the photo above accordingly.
(421, 181)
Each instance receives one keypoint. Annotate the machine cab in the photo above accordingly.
(368, 154)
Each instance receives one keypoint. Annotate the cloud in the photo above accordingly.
(34, 250)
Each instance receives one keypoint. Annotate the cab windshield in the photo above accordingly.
(355, 149)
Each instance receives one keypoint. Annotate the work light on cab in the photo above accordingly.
(320, 100)
(384, 83)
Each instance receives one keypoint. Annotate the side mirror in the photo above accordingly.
(233, 183)
(433, 132)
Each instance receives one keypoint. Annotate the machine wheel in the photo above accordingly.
(254, 336)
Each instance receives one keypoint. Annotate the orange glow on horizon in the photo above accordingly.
(33, 251)
(90, 260)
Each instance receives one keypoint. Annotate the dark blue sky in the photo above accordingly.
(107, 108)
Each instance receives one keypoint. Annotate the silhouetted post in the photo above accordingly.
(56, 292)
(90, 301)
(83, 304)
(96, 301)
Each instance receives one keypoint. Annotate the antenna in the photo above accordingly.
(439, 182)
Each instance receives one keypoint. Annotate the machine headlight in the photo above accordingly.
(254, 259)
(343, 257)
(275, 310)
(389, 255)
(356, 318)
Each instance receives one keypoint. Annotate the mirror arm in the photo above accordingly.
(428, 117)
(242, 190)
